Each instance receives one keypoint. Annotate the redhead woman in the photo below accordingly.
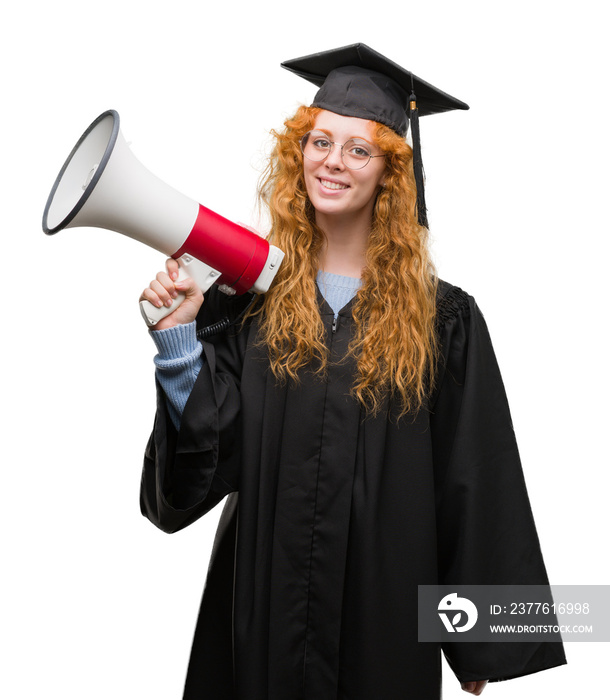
(354, 418)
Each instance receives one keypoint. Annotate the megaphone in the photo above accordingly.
(102, 184)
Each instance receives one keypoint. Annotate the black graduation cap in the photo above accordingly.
(356, 81)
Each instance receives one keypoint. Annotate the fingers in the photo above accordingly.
(161, 291)
(166, 288)
(474, 687)
(172, 268)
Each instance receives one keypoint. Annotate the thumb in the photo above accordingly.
(187, 286)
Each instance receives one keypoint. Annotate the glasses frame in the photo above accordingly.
(332, 145)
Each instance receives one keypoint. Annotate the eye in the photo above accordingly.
(358, 149)
(321, 142)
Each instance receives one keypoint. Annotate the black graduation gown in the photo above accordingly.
(333, 518)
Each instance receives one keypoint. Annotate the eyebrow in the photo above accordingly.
(329, 133)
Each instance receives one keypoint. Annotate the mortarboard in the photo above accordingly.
(356, 81)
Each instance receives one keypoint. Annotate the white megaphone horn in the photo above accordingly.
(102, 184)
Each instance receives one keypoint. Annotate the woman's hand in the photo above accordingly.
(474, 687)
(165, 288)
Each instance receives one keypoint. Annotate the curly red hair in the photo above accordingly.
(394, 343)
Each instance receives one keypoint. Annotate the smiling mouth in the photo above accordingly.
(333, 185)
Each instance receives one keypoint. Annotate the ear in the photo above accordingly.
(383, 178)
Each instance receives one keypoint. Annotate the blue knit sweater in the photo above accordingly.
(179, 352)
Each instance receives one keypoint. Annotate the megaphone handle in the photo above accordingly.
(204, 276)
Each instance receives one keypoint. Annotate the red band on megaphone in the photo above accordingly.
(239, 254)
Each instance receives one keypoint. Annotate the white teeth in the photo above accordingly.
(333, 185)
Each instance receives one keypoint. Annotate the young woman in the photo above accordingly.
(356, 419)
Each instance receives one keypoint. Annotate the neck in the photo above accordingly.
(344, 248)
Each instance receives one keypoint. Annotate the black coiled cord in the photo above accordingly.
(224, 323)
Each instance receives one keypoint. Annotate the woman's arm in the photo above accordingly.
(485, 528)
(177, 363)
(188, 470)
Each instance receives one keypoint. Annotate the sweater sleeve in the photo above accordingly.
(177, 365)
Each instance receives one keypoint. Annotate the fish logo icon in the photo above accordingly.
(452, 609)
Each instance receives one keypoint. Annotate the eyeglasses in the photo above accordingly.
(355, 153)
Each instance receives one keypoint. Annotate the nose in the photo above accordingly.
(334, 160)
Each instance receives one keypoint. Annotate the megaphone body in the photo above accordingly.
(102, 184)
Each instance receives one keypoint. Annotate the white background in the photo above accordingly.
(96, 602)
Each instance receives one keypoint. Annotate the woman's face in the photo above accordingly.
(334, 189)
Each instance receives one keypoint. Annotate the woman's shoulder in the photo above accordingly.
(451, 302)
